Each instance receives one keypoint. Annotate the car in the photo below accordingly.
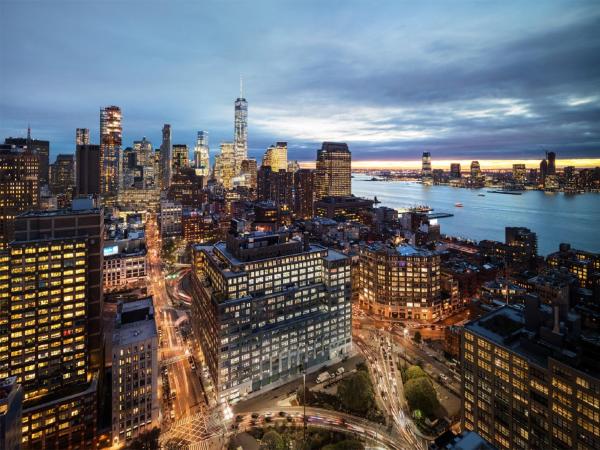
(281, 414)
(239, 418)
(255, 415)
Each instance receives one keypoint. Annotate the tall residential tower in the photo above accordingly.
(111, 133)
(240, 134)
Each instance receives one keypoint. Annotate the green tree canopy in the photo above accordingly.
(356, 392)
(272, 440)
(421, 395)
(414, 372)
(417, 337)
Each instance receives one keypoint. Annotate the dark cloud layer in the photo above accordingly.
(484, 80)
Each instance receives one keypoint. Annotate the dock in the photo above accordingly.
(439, 215)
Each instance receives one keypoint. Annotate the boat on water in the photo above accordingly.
(481, 195)
(458, 205)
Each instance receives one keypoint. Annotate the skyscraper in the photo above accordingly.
(249, 172)
(19, 186)
(333, 172)
(166, 156)
(87, 178)
(144, 157)
(426, 166)
(551, 163)
(111, 133)
(82, 136)
(240, 136)
(202, 154)
(276, 157)
(519, 172)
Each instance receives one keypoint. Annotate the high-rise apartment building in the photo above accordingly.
(202, 154)
(135, 405)
(82, 136)
(426, 172)
(180, 157)
(400, 282)
(62, 175)
(240, 132)
(144, 159)
(19, 186)
(38, 147)
(276, 157)
(304, 193)
(267, 307)
(531, 379)
(166, 157)
(111, 139)
(333, 175)
(87, 170)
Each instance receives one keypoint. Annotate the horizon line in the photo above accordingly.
(580, 163)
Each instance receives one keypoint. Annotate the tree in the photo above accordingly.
(421, 395)
(272, 440)
(414, 372)
(146, 441)
(417, 336)
(356, 393)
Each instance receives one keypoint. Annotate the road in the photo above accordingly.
(184, 395)
(382, 360)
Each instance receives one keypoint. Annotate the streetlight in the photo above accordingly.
(304, 405)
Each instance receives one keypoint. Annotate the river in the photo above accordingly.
(555, 217)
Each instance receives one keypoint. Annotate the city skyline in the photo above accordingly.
(462, 85)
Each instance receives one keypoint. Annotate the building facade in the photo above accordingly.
(82, 136)
(166, 157)
(135, 407)
(266, 307)
(276, 157)
(240, 132)
(401, 282)
(530, 381)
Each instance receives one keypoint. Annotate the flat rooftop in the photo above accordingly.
(134, 332)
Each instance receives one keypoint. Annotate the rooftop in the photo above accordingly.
(134, 332)
(498, 324)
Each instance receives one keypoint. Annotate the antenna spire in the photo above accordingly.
(241, 86)
(28, 132)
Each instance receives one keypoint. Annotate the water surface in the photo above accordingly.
(555, 217)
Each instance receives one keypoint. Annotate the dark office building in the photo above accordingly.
(62, 175)
(304, 193)
(88, 170)
(349, 208)
(276, 187)
(333, 172)
(455, 170)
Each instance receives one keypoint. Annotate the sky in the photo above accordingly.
(462, 80)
